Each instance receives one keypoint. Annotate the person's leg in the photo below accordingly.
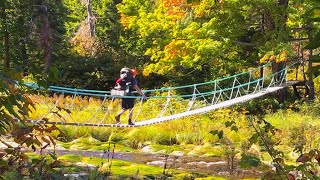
(123, 109)
(118, 115)
(130, 105)
(130, 117)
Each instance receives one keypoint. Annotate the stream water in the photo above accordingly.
(206, 165)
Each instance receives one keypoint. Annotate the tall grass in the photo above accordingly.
(189, 130)
(299, 124)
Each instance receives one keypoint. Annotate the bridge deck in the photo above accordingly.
(223, 104)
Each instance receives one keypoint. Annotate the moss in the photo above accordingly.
(166, 149)
(212, 178)
(71, 158)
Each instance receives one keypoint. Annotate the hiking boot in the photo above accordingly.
(130, 123)
(117, 119)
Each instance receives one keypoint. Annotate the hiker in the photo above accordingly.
(127, 82)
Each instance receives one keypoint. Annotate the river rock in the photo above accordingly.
(177, 153)
(161, 151)
(200, 163)
(77, 176)
(156, 163)
(203, 163)
(192, 153)
(146, 149)
(56, 147)
(217, 163)
(11, 143)
(89, 166)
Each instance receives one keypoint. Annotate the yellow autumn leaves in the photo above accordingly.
(272, 56)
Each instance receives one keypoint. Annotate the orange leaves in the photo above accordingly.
(176, 13)
(171, 50)
(175, 8)
(170, 3)
(176, 49)
(124, 20)
(200, 14)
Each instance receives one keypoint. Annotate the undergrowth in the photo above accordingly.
(223, 133)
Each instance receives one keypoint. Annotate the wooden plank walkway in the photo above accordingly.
(223, 104)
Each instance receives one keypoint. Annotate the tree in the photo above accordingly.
(206, 39)
(21, 36)
(4, 25)
(312, 16)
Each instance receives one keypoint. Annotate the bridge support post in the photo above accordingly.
(277, 67)
(310, 83)
(261, 75)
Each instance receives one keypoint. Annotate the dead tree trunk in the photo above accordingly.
(90, 19)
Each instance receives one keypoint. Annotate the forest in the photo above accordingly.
(84, 44)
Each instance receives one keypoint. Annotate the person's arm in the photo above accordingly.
(136, 87)
(122, 78)
(118, 81)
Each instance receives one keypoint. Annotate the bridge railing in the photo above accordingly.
(79, 106)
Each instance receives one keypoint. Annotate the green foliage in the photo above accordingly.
(102, 134)
(71, 158)
(218, 133)
(192, 38)
(16, 106)
(249, 161)
(173, 42)
(11, 175)
(273, 135)
(72, 133)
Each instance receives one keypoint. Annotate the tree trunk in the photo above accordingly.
(24, 56)
(6, 55)
(90, 19)
(45, 39)
(269, 24)
(282, 27)
(283, 3)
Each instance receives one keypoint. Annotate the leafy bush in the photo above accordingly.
(101, 133)
(11, 175)
(164, 138)
(70, 133)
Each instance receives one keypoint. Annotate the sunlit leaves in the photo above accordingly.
(173, 3)
(16, 106)
(314, 14)
(203, 9)
(199, 33)
(83, 43)
(271, 56)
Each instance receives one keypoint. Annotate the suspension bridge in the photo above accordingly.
(83, 107)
